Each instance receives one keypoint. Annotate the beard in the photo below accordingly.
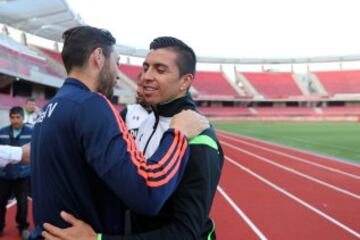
(106, 82)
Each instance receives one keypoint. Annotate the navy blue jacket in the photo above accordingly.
(84, 161)
(19, 170)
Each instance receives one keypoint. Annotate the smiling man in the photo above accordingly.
(84, 161)
(168, 72)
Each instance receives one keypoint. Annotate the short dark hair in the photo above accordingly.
(16, 110)
(79, 42)
(186, 60)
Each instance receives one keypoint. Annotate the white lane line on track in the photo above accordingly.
(12, 203)
(293, 149)
(241, 213)
(293, 197)
(338, 189)
(293, 157)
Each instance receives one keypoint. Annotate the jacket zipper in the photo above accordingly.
(157, 118)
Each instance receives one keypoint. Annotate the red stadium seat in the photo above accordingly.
(214, 84)
(340, 82)
(273, 85)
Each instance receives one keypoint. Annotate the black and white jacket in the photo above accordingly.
(186, 213)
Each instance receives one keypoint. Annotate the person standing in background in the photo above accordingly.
(14, 178)
(31, 112)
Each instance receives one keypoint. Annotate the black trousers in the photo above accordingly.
(20, 189)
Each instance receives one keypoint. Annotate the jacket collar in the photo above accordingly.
(171, 108)
(76, 82)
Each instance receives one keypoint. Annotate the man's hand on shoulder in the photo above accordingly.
(190, 123)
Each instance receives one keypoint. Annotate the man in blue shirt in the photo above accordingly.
(168, 72)
(14, 178)
(84, 161)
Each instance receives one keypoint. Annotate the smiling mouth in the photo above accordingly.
(149, 89)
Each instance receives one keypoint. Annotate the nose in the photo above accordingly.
(147, 75)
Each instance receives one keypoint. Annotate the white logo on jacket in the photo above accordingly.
(47, 113)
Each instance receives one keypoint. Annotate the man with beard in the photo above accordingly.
(168, 72)
(84, 161)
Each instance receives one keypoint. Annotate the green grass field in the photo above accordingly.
(341, 140)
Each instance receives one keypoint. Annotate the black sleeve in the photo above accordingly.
(186, 215)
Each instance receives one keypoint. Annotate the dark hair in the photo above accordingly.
(79, 42)
(16, 110)
(186, 59)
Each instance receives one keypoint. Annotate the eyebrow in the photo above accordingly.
(161, 65)
(146, 64)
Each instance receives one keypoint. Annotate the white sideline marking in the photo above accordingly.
(327, 157)
(242, 214)
(305, 204)
(294, 157)
(341, 190)
(12, 203)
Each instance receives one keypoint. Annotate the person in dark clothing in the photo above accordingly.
(168, 72)
(14, 178)
(84, 161)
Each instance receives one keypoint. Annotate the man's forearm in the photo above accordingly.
(10, 155)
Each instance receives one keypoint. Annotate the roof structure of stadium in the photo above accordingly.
(50, 18)
(250, 61)
(44, 18)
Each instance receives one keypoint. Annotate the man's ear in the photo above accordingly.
(186, 82)
(98, 57)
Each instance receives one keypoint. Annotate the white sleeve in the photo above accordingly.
(9, 155)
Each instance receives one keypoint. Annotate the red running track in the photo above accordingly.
(10, 231)
(269, 191)
(289, 194)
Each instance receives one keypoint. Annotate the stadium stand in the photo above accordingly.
(272, 85)
(341, 111)
(285, 111)
(10, 66)
(252, 94)
(131, 71)
(214, 85)
(340, 82)
(56, 56)
(23, 57)
(53, 59)
(338, 111)
(209, 85)
(225, 111)
(8, 101)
